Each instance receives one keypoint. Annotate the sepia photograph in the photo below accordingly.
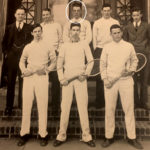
(74, 74)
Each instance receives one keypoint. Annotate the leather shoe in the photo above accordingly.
(135, 143)
(8, 112)
(23, 139)
(57, 143)
(107, 142)
(90, 143)
(43, 141)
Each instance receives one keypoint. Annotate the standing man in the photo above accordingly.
(72, 55)
(52, 34)
(115, 56)
(86, 33)
(38, 55)
(138, 33)
(101, 36)
(17, 35)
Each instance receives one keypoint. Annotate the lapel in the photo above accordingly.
(141, 28)
(24, 26)
(132, 28)
(12, 29)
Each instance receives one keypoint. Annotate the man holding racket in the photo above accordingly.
(72, 61)
(138, 33)
(37, 55)
(119, 60)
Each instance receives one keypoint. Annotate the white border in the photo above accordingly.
(82, 5)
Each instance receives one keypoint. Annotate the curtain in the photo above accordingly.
(3, 14)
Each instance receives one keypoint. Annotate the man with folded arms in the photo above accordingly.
(52, 34)
(138, 33)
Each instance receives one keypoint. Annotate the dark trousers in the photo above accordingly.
(141, 85)
(55, 89)
(99, 102)
(12, 72)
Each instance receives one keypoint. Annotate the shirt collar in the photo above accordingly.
(21, 24)
(107, 19)
(120, 42)
(139, 23)
(76, 20)
(47, 23)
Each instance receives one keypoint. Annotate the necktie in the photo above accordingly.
(136, 26)
(19, 28)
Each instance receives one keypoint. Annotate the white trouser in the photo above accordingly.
(35, 86)
(125, 89)
(81, 93)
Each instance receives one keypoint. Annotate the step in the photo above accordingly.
(97, 114)
(12, 128)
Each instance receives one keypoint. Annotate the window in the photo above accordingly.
(124, 11)
(29, 6)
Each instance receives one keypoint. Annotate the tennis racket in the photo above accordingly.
(35, 69)
(93, 65)
(142, 60)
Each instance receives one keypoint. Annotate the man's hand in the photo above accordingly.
(126, 73)
(64, 82)
(107, 83)
(41, 72)
(27, 73)
(82, 78)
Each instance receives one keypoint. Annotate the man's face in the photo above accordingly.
(75, 31)
(37, 32)
(116, 34)
(46, 16)
(106, 11)
(136, 15)
(19, 15)
(76, 12)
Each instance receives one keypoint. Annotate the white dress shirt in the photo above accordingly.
(52, 34)
(21, 24)
(138, 23)
(117, 57)
(85, 34)
(101, 31)
(38, 56)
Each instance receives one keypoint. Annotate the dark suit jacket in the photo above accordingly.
(140, 38)
(8, 38)
(7, 47)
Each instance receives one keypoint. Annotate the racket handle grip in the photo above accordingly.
(73, 78)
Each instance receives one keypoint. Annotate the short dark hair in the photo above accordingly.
(77, 4)
(47, 9)
(75, 24)
(20, 8)
(106, 5)
(115, 26)
(35, 26)
(136, 9)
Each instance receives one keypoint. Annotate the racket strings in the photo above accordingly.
(142, 61)
(96, 67)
